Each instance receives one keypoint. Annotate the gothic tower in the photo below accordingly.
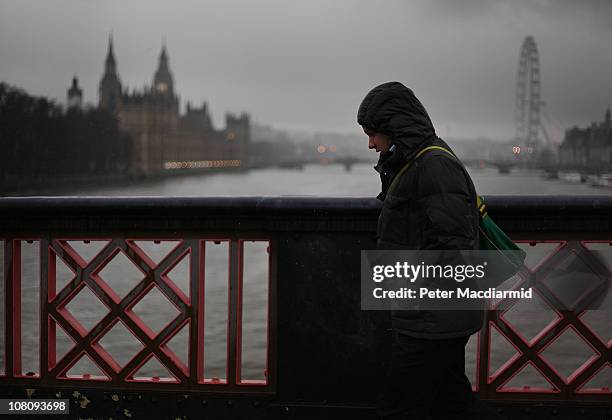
(110, 85)
(162, 81)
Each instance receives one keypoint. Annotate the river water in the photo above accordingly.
(330, 180)
(313, 180)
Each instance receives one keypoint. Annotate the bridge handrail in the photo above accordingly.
(517, 214)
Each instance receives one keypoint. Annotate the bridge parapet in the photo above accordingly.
(293, 336)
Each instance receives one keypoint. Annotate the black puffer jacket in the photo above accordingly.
(433, 206)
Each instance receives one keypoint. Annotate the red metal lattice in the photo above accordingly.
(171, 352)
(532, 370)
(119, 309)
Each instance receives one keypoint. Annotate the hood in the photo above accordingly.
(392, 109)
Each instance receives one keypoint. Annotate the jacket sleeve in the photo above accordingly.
(446, 204)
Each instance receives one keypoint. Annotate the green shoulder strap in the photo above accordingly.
(418, 155)
(479, 201)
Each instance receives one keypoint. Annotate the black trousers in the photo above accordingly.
(426, 380)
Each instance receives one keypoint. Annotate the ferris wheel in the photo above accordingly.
(528, 99)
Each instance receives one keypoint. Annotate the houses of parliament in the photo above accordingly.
(162, 138)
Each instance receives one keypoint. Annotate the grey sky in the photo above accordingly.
(306, 64)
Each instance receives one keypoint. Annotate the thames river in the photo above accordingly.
(313, 180)
(330, 180)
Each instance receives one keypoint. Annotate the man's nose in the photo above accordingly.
(371, 144)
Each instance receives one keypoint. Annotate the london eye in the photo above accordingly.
(528, 96)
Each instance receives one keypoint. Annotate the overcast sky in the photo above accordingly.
(306, 64)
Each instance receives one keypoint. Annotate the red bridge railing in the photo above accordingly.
(260, 297)
(72, 276)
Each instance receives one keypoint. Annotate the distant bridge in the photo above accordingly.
(503, 166)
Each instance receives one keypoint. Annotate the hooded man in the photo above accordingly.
(431, 207)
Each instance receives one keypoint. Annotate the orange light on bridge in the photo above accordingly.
(332, 148)
(516, 150)
(321, 148)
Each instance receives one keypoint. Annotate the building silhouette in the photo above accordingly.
(163, 138)
(110, 86)
(591, 146)
(74, 95)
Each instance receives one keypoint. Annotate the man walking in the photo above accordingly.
(431, 206)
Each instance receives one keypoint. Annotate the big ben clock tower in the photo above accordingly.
(162, 81)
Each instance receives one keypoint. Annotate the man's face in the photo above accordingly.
(377, 141)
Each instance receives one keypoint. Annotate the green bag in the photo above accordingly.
(510, 257)
(491, 238)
